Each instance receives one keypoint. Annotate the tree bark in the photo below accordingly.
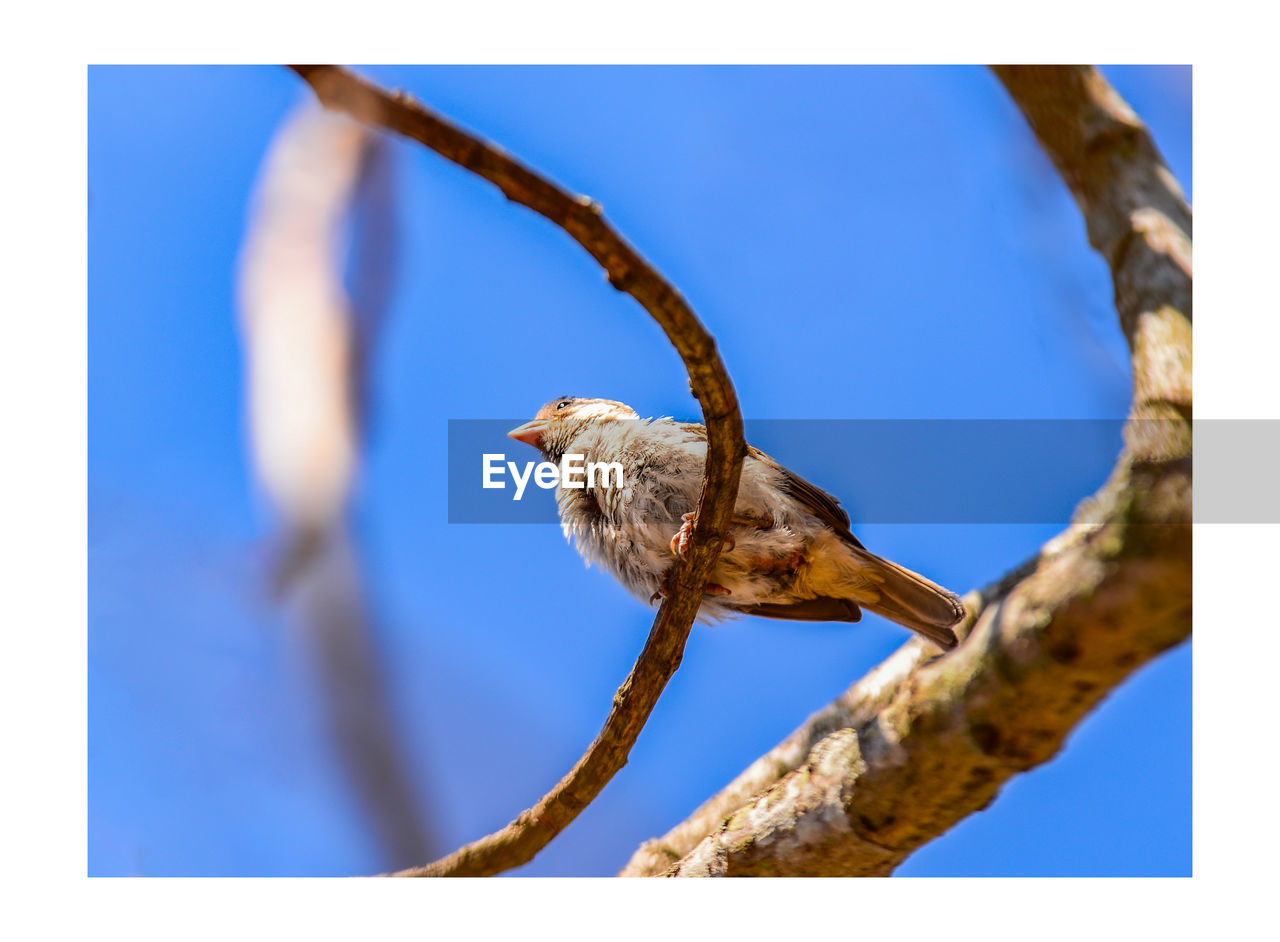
(924, 741)
(583, 219)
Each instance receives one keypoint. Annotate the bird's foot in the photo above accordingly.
(668, 583)
(713, 588)
(680, 542)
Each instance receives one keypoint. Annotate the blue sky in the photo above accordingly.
(864, 243)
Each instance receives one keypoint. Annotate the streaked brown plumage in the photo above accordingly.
(789, 554)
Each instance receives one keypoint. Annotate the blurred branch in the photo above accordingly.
(372, 265)
(298, 336)
(340, 634)
(308, 342)
(581, 218)
(920, 743)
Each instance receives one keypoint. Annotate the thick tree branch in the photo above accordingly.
(519, 841)
(922, 742)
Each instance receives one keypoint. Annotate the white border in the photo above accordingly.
(43, 390)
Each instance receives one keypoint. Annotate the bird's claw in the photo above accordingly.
(680, 542)
(680, 546)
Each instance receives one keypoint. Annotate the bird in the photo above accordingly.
(789, 552)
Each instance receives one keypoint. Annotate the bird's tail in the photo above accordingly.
(907, 598)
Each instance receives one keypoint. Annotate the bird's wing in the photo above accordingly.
(823, 506)
(820, 609)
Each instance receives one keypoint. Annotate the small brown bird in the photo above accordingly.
(789, 553)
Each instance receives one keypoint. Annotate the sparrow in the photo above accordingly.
(789, 552)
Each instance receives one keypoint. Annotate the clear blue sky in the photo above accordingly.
(864, 243)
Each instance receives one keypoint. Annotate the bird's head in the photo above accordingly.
(561, 420)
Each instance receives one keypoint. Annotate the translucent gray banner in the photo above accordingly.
(910, 471)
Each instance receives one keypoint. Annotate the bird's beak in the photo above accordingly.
(530, 433)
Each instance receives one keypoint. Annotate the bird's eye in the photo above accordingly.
(560, 405)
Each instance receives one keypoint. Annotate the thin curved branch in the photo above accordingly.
(922, 742)
(518, 842)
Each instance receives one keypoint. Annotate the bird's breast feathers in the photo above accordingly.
(627, 530)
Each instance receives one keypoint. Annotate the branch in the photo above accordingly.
(581, 218)
(921, 742)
